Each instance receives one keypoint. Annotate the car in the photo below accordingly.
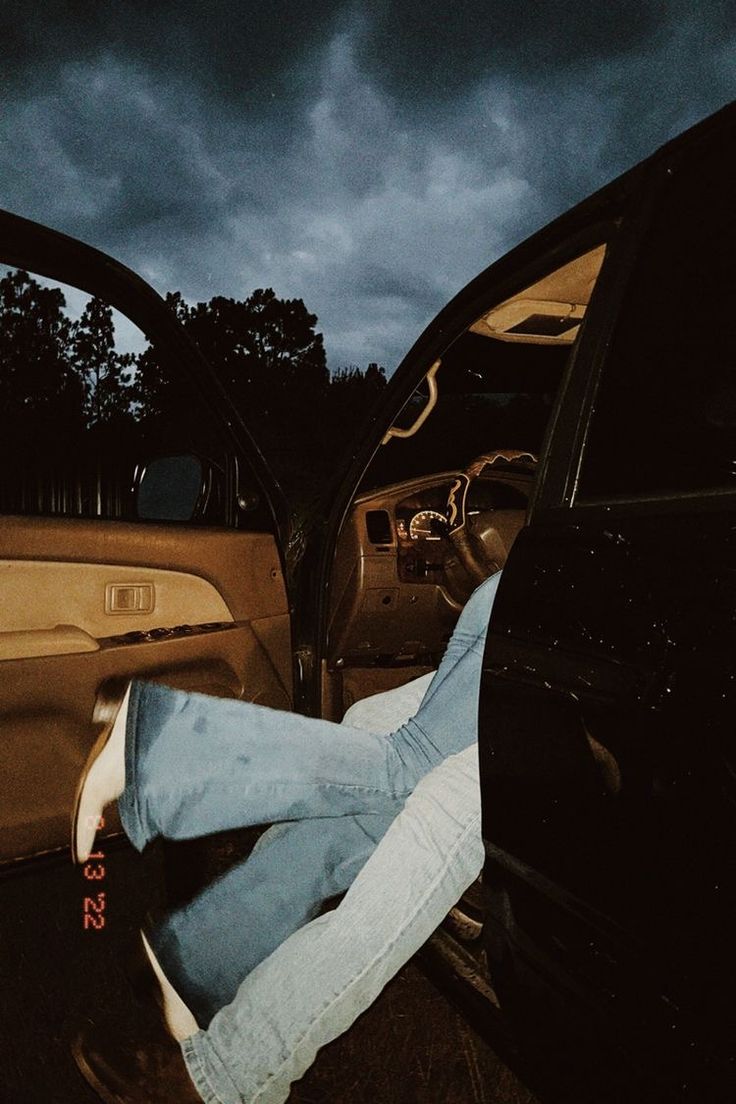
(569, 417)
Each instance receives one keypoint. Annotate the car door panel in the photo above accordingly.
(107, 599)
(612, 906)
(610, 934)
(218, 623)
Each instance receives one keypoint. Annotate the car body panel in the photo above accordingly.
(608, 693)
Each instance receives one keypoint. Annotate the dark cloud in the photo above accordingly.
(236, 52)
(368, 158)
(434, 51)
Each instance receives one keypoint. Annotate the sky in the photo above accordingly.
(369, 158)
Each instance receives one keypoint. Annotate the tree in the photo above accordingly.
(104, 372)
(265, 349)
(157, 391)
(70, 400)
(40, 392)
(41, 398)
(271, 361)
(353, 381)
(351, 394)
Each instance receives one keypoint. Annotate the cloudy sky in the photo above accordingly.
(370, 157)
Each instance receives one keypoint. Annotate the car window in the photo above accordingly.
(665, 417)
(86, 405)
(491, 396)
(497, 380)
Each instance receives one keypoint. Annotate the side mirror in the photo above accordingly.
(171, 488)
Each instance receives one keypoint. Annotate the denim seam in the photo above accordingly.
(377, 958)
(195, 1069)
(441, 756)
(325, 785)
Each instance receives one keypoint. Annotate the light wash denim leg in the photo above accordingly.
(209, 946)
(197, 765)
(316, 983)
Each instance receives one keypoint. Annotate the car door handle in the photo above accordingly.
(34, 643)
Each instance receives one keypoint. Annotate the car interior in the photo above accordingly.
(92, 593)
(400, 578)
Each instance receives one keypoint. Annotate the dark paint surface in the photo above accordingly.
(608, 696)
(624, 628)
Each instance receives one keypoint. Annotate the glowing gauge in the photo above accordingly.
(428, 525)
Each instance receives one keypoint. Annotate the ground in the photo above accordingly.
(411, 1047)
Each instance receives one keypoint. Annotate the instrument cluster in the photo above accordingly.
(421, 529)
(424, 547)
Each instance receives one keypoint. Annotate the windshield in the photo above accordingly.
(492, 395)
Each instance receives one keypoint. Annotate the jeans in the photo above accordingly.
(320, 980)
(197, 765)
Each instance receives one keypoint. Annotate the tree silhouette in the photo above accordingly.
(41, 396)
(265, 349)
(104, 372)
(156, 390)
(78, 415)
(271, 361)
(350, 395)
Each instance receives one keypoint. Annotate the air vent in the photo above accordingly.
(378, 524)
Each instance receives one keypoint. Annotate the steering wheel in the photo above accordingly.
(479, 557)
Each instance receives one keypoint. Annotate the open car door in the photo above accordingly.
(140, 529)
(607, 700)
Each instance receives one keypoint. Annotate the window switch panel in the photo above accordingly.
(129, 598)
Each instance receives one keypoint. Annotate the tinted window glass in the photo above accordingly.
(85, 403)
(665, 418)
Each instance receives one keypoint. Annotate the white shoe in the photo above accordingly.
(179, 1020)
(103, 777)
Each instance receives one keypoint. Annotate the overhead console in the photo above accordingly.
(550, 311)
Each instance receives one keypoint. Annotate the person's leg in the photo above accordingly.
(316, 983)
(211, 944)
(208, 946)
(197, 765)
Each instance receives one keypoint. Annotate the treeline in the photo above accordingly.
(65, 386)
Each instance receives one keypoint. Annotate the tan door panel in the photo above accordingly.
(43, 746)
(245, 567)
(61, 640)
(219, 624)
(41, 594)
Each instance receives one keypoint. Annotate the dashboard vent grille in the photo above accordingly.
(378, 524)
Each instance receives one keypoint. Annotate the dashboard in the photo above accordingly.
(424, 552)
(398, 584)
